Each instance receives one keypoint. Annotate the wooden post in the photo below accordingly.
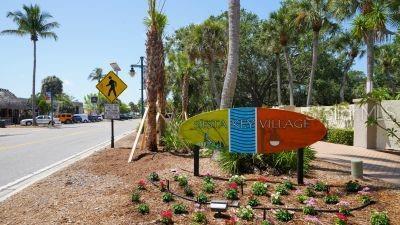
(196, 165)
(138, 135)
(300, 166)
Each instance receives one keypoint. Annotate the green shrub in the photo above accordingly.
(143, 208)
(199, 217)
(340, 136)
(309, 192)
(202, 198)
(276, 199)
(253, 202)
(231, 194)
(182, 180)
(331, 199)
(320, 186)
(239, 180)
(302, 198)
(179, 208)
(283, 215)
(171, 139)
(167, 197)
(379, 218)
(281, 189)
(266, 222)
(259, 188)
(188, 191)
(246, 213)
(208, 187)
(154, 176)
(353, 186)
(309, 210)
(288, 184)
(135, 197)
(365, 199)
(283, 162)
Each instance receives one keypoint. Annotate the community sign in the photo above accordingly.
(111, 86)
(252, 130)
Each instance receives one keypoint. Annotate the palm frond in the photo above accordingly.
(14, 32)
(49, 35)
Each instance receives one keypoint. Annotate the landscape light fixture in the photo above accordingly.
(115, 67)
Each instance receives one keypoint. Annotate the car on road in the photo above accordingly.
(41, 120)
(94, 118)
(125, 116)
(65, 118)
(77, 119)
(84, 117)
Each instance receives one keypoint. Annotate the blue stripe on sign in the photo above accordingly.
(242, 135)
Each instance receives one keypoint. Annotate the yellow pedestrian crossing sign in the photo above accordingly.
(111, 86)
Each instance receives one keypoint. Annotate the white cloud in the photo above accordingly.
(67, 82)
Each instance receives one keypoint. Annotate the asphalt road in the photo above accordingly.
(26, 150)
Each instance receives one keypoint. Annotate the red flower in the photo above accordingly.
(167, 214)
(141, 183)
(341, 216)
(231, 221)
(263, 179)
(233, 185)
(163, 184)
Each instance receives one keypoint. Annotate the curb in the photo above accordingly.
(18, 185)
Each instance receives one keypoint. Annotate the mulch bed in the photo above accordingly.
(97, 190)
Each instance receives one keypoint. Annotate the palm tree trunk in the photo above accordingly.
(289, 65)
(33, 85)
(370, 63)
(228, 90)
(313, 66)
(344, 78)
(161, 90)
(213, 83)
(151, 88)
(185, 94)
(278, 79)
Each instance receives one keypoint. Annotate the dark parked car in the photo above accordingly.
(125, 116)
(77, 119)
(94, 118)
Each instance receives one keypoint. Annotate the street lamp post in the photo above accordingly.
(132, 72)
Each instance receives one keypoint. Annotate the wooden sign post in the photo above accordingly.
(254, 130)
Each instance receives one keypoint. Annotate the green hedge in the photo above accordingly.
(340, 136)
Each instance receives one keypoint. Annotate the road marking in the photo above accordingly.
(16, 186)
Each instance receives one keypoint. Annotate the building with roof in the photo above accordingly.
(12, 108)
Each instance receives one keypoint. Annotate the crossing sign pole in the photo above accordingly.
(111, 86)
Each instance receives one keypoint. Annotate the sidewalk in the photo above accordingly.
(377, 164)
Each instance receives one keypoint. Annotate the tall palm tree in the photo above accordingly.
(369, 22)
(350, 48)
(32, 22)
(96, 75)
(155, 23)
(232, 70)
(209, 39)
(388, 61)
(281, 27)
(314, 15)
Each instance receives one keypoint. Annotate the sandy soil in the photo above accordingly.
(97, 190)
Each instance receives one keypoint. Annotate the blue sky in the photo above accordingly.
(94, 33)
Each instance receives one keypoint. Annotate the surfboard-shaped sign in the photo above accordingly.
(252, 130)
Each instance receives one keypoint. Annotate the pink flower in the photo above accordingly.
(313, 219)
(341, 216)
(233, 185)
(298, 192)
(311, 202)
(343, 203)
(166, 214)
(231, 221)
(142, 184)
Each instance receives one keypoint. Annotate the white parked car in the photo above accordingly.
(41, 120)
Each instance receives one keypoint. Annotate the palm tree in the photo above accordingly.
(155, 23)
(388, 60)
(232, 70)
(350, 48)
(280, 27)
(96, 75)
(313, 14)
(32, 22)
(370, 20)
(209, 39)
